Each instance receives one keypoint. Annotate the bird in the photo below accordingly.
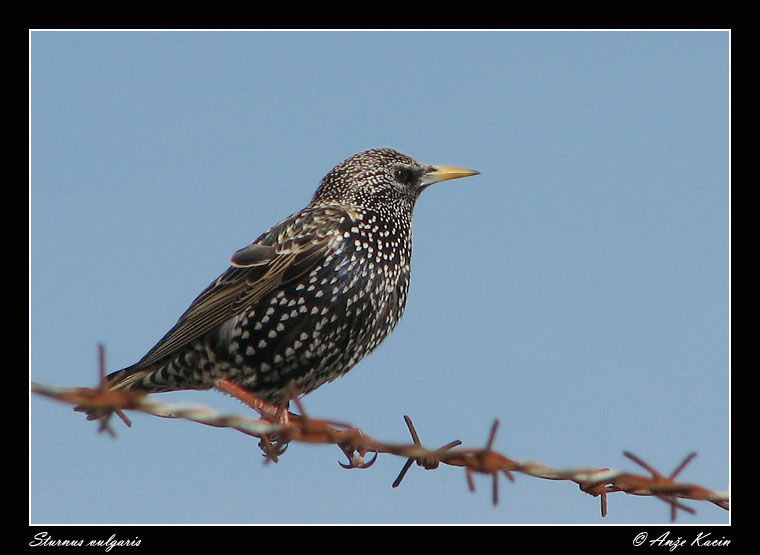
(308, 299)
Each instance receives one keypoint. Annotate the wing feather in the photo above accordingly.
(286, 252)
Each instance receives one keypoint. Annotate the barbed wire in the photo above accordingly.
(355, 444)
(276, 430)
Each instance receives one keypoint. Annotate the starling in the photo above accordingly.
(309, 298)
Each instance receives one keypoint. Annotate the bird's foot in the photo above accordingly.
(272, 445)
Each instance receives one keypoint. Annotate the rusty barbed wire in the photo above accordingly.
(355, 444)
(275, 432)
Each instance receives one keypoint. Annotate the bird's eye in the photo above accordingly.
(404, 175)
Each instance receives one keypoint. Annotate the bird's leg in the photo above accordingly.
(273, 413)
(273, 445)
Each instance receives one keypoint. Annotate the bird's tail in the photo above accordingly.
(132, 378)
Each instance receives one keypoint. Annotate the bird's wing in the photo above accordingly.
(288, 250)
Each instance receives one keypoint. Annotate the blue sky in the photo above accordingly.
(577, 290)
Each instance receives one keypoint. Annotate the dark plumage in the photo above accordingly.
(310, 297)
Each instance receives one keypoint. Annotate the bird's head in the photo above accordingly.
(382, 177)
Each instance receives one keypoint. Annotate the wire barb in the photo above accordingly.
(426, 462)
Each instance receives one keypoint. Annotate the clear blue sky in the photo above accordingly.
(577, 290)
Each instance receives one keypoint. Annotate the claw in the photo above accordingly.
(272, 450)
(357, 461)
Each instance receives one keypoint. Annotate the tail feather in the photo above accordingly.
(131, 377)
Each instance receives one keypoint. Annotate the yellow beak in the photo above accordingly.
(444, 173)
